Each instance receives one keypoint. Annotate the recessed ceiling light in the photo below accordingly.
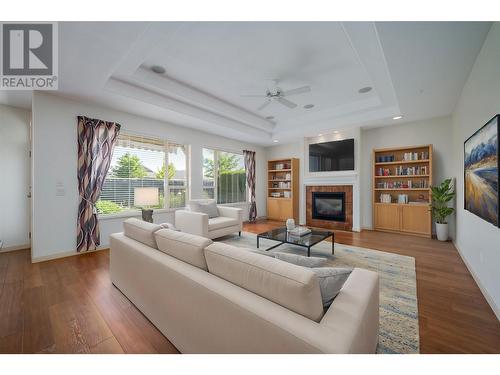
(320, 135)
(397, 117)
(158, 69)
(335, 131)
(364, 90)
(269, 117)
(308, 106)
(275, 140)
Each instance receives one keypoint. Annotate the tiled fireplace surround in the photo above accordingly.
(327, 224)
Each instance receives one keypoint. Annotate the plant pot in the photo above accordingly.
(442, 231)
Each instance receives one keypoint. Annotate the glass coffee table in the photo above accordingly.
(309, 240)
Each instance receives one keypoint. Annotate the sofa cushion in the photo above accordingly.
(141, 231)
(331, 281)
(221, 222)
(300, 260)
(183, 246)
(293, 287)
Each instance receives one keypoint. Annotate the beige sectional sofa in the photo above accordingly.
(208, 297)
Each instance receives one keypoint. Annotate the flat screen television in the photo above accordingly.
(332, 156)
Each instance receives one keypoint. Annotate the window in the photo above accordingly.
(144, 162)
(224, 177)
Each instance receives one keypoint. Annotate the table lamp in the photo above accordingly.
(146, 197)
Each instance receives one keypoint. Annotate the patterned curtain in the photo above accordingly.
(96, 141)
(250, 171)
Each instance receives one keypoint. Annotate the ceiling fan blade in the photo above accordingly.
(299, 90)
(266, 103)
(287, 103)
(253, 96)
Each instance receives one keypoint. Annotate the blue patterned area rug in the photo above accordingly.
(398, 331)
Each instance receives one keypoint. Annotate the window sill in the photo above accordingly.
(135, 213)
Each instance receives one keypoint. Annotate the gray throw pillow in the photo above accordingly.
(209, 208)
(331, 281)
(301, 260)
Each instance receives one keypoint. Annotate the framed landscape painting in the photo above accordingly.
(481, 165)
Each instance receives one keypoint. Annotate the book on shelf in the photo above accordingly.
(410, 184)
(411, 171)
(412, 156)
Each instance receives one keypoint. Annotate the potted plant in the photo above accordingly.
(441, 196)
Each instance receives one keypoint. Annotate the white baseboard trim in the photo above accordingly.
(14, 248)
(63, 255)
(487, 296)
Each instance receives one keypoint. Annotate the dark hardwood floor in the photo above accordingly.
(70, 306)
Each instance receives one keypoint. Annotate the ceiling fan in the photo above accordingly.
(279, 95)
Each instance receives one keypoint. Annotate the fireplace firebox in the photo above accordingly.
(328, 206)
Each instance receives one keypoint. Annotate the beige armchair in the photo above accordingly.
(230, 220)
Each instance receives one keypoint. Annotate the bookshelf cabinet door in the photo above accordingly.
(387, 217)
(273, 210)
(416, 219)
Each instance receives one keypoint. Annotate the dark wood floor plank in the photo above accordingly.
(38, 334)
(11, 309)
(68, 335)
(108, 346)
(12, 344)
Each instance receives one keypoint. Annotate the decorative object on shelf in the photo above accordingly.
(403, 199)
(481, 166)
(146, 197)
(441, 196)
(290, 224)
(287, 194)
(385, 198)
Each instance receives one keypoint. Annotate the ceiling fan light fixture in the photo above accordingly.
(158, 69)
(309, 106)
(275, 140)
(364, 90)
(397, 117)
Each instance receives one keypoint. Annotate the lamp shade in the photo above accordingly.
(146, 196)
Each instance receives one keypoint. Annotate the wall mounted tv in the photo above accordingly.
(332, 156)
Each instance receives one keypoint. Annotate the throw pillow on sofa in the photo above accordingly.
(169, 226)
(300, 260)
(331, 281)
(209, 208)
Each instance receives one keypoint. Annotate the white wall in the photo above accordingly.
(14, 177)
(477, 240)
(55, 162)
(436, 131)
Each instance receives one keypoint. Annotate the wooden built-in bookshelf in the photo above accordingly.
(283, 189)
(397, 171)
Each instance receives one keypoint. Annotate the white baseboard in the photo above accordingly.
(487, 296)
(14, 248)
(63, 255)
